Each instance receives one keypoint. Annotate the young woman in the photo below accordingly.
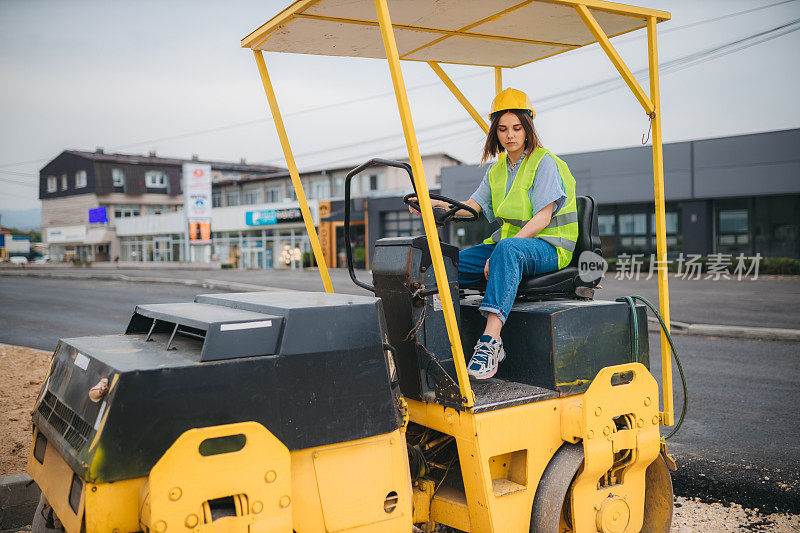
(531, 193)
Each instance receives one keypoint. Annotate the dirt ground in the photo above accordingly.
(22, 372)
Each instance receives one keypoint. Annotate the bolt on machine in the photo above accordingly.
(312, 412)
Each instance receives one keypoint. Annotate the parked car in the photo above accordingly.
(18, 260)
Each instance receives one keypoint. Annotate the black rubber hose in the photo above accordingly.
(635, 328)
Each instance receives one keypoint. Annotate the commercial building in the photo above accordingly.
(256, 220)
(728, 195)
(85, 194)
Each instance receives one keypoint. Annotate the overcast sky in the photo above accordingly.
(125, 75)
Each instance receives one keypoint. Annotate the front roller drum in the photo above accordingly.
(552, 507)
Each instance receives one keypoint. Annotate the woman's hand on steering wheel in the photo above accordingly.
(445, 208)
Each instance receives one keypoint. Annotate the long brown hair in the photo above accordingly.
(493, 146)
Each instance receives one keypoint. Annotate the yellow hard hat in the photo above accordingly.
(512, 99)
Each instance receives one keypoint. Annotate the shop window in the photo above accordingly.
(52, 184)
(155, 179)
(671, 221)
(117, 177)
(776, 226)
(233, 197)
(400, 224)
(733, 231)
(252, 196)
(80, 179)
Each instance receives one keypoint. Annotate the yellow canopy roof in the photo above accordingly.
(502, 33)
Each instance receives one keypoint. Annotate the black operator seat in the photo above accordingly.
(566, 283)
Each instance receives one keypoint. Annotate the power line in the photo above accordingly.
(388, 93)
(611, 84)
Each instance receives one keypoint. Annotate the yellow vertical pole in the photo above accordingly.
(459, 95)
(498, 80)
(668, 416)
(295, 175)
(428, 221)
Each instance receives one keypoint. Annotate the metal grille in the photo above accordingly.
(65, 421)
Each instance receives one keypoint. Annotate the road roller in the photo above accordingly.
(292, 411)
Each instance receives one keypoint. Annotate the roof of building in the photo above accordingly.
(285, 173)
(151, 159)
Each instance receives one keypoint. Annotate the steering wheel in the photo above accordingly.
(440, 214)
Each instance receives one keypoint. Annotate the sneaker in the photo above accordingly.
(488, 354)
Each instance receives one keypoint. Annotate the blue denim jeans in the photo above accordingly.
(509, 260)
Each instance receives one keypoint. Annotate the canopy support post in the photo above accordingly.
(428, 221)
(668, 416)
(611, 52)
(459, 95)
(498, 80)
(292, 166)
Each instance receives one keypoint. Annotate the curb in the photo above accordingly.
(735, 332)
(19, 496)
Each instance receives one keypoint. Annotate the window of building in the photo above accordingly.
(216, 198)
(155, 179)
(368, 183)
(156, 209)
(338, 187)
(126, 210)
(232, 197)
(117, 177)
(606, 224)
(671, 220)
(52, 184)
(733, 231)
(776, 226)
(273, 194)
(400, 224)
(80, 179)
(320, 189)
(63, 182)
(252, 196)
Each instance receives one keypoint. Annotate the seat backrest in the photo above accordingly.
(588, 228)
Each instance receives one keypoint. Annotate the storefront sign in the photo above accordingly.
(98, 215)
(66, 234)
(200, 231)
(196, 191)
(268, 217)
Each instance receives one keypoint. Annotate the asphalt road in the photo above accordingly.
(768, 301)
(740, 441)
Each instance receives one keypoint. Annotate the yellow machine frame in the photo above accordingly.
(502, 453)
(501, 462)
(650, 104)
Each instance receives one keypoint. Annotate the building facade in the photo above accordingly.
(256, 220)
(84, 195)
(729, 195)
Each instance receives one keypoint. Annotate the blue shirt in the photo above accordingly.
(547, 188)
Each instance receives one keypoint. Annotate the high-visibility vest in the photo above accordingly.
(514, 209)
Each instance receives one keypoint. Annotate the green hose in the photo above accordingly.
(635, 331)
